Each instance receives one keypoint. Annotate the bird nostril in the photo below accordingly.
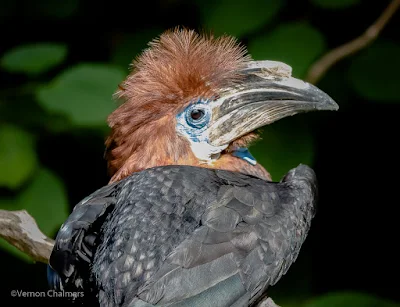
(197, 114)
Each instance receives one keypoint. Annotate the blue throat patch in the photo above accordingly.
(244, 153)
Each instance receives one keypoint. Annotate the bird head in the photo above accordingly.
(198, 100)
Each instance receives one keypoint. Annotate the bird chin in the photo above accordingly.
(206, 152)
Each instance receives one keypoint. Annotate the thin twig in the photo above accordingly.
(21, 230)
(320, 67)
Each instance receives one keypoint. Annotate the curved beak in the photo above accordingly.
(266, 94)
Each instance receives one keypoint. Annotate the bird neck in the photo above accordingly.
(233, 162)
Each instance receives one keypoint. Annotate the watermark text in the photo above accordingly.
(48, 293)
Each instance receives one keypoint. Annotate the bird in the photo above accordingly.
(189, 217)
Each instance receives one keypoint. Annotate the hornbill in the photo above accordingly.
(189, 218)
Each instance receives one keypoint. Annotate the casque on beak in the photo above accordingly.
(266, 94)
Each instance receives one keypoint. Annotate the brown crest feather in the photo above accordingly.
(177, 68)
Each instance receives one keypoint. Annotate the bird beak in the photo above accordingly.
(266, 94)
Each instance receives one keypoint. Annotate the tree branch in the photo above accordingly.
(21, 230)
(320, 67)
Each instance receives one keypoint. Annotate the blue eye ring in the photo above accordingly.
(198, 115)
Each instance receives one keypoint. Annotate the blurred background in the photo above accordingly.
(61, 61)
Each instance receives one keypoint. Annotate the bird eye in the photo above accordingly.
(197, 114)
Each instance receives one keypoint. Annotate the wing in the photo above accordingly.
(77, 240)
(186, 236)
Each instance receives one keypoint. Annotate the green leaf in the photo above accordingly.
(349, 299)
(17, 156)
(34, 117)
(33, 59)
(284, 145)
(374, 73)
(83, 93)
(7, 204)
(238, 17)
(128, 46)
(11, 249)
(335, 4)
(296, 44)
(46, 200)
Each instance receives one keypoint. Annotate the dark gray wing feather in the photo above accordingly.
(186, 236)
(77, 240)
